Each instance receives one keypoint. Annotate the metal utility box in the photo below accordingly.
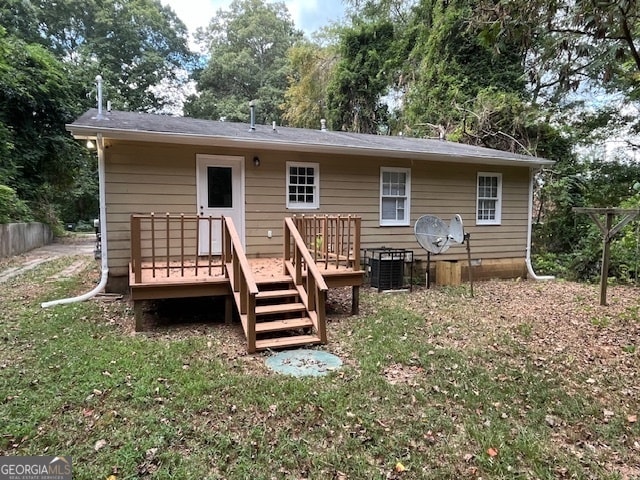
(386, 267)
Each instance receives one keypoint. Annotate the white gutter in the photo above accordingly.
(103, 233)
(527, 257)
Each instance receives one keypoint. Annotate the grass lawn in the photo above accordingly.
(526, 380)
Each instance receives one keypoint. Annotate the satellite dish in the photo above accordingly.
(435, 236)
(432, 234)
(456, 229)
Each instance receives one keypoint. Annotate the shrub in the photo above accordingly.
(12, 208)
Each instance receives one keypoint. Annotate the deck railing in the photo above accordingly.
(169, 245)
(313, 291)
(332, 239)
(242, 282)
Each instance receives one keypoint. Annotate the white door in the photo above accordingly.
(220, 191)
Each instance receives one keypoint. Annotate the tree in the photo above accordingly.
(571, 47)
(310, 67)
(361, 79)
(460, 87)
(133, 44)
(38, 158)
(247, 48)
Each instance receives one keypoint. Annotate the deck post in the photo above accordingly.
(287, 246)
(138, 313)
(251, 324)
(136, 254)
(228, 309)
(355, 300)
(356, 244)
(321, 312)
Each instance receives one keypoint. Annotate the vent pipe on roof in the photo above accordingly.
(252, 107)
(100, 116)
(323, 125)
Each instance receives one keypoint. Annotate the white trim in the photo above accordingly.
(224, 160)
(407, 197)
(497, 220)
(316, 186)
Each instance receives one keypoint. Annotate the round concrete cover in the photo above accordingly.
(304, 363)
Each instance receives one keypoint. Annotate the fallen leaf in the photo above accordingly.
(400, 467)
(632, 418)
(492, 452)
(100, 444)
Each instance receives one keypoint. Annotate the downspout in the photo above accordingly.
(527, 257)
(103, 231)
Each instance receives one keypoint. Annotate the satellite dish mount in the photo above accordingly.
(435, 236)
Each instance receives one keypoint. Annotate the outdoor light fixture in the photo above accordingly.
(91, 145)
(256, 161)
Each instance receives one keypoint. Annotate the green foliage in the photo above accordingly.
(354, 94)
(571, 46)
(12, 209)
(310, 68)
(134, 44)
(247, 61)
(50, 53)
(573, 241)
(454, 68)
(38, 158)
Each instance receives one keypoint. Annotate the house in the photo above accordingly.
(185, 170)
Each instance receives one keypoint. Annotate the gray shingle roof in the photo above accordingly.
(169, 129)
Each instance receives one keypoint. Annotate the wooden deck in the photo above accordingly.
(176, 279)
(280, 301)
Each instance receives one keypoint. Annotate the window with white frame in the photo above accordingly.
(303, 185)
(395, 196)
(489, 204)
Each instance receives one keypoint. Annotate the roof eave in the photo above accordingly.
(83, 132)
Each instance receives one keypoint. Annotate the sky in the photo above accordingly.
(308, 15)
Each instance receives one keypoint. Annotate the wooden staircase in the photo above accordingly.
(281, 312)
(282, 320)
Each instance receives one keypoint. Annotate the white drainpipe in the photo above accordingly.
(527, 258)
(103, 233)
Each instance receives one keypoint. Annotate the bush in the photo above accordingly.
(84, 226)
(12, 209)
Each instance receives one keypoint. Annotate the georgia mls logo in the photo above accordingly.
(35, 468)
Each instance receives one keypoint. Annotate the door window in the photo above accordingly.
(219, 183)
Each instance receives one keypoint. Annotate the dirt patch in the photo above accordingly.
(398, 373)
(62, 247)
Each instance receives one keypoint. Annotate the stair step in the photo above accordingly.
(276, 293)
(281, 325)
(280, 308)
(284, 342)
(275, 279)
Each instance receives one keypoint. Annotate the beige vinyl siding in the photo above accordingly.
(143, 178)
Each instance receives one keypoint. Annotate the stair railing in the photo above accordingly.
(332, 239)
(241, 279)
(311, 287)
